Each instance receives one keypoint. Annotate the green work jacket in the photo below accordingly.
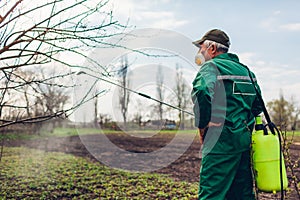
(223, 93)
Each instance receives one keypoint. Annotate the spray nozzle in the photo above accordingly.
(259, 125)
(258, 120)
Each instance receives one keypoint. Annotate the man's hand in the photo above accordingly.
(201, 131)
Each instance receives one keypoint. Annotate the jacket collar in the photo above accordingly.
(228, 56)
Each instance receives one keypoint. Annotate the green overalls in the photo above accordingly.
(223, 93)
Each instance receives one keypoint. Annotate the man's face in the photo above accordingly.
(205, 51)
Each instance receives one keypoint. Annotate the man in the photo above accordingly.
(225, 104)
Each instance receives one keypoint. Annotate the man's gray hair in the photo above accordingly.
(220, 47)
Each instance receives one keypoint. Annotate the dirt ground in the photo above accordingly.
(185, 168)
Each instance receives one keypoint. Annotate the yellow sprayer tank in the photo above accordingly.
(266, 165)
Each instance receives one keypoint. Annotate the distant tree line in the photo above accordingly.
(284, 113)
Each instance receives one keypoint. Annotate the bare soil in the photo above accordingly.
(185, 168)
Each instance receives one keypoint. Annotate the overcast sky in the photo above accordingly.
(264, 34)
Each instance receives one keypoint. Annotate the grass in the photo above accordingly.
(34, 174)
(64, 132)
(85, 131)
(296, 133)
(294, 136)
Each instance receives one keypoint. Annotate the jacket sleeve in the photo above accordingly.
(202, 94)
(257, 106)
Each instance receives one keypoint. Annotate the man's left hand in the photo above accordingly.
(202, 130)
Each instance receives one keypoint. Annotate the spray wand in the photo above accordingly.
(138, 93)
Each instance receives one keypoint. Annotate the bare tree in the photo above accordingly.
(182, 96)
(160, 92)
(295, 113)
(284, 113)
(26, 76)
(124, 94)
(105, 119)
(138, 115)
(42, 34)
(51, 96)
(96, 110)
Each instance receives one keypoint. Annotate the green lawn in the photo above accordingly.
(63, 132)
(33, 174)
(84, 131)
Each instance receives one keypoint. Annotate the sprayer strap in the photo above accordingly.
(267, 116)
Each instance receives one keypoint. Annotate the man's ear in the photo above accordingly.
(214, 51)
(214, 48)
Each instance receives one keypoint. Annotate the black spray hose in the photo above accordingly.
(280, 161)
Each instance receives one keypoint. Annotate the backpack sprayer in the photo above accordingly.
(268, 163)
(263, 160)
